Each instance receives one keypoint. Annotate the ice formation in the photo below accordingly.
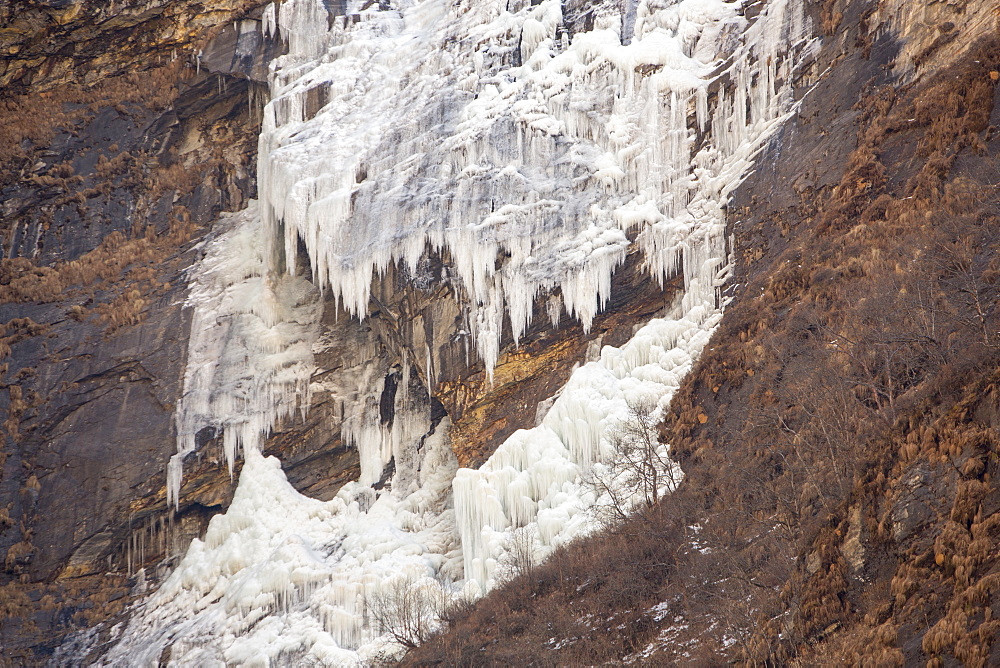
(250, 356)
(482, 127)
(281, 579)
(536, 151)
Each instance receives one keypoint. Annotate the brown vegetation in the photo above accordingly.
(83, 601)
(28, 122)
(129, 263)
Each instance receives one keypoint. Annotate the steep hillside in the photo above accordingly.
(839, 436)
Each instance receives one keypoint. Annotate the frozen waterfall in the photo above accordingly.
(483, 129)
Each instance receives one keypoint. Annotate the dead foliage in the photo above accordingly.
(30, 121)
(118, 262)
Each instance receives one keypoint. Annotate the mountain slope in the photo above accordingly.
(838, 437)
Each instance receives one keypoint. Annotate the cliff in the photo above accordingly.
(837, 437)
(119, 148)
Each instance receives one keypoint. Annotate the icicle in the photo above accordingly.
(250, 352)
(551, 232)
(269, 25)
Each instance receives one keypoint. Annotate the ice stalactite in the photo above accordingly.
(381, 439)
(538, 477)
(250, 356)
(281, 578)
(473, 128)
(536, 159)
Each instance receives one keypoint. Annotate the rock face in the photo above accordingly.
(126, 130)
(426, 325)
(49, 43)
(119, 148)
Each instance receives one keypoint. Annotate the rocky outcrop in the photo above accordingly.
(427, 325)
(47, 44)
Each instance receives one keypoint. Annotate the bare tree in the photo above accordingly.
(521, 557)
(641, 471)
(407, 610)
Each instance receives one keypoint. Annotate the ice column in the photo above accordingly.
(250, 353)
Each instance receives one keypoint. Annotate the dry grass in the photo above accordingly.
(128, 264)
(13, 601)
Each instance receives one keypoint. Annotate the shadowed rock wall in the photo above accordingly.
(119, 149)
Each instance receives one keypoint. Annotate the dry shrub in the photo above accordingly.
(13, 601)
(26, 282)
(17, 407)
(586, 604)
(17, 329)
(29, 121)
(125, 310)
(108, 168)
(18, 555)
